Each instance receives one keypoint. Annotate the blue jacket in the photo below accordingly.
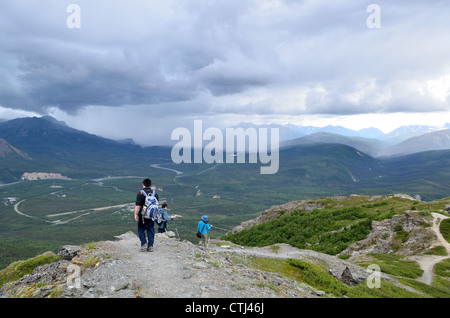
(166, 217)
(203, 227)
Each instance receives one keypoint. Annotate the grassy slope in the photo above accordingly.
(332, 229)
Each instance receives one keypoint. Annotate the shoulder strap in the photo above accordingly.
(154, 192)
(144, 193)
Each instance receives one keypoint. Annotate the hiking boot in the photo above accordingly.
(150, 249)
(143, 248)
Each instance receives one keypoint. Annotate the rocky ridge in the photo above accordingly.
(274, 211)
(176, 269)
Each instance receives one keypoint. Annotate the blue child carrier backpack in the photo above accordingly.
(151, 208)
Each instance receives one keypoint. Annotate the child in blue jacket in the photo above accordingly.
(166, 218)
(203, 227)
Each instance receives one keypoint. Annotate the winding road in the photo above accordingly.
(427, 262)
(79, 212)
(16, 209)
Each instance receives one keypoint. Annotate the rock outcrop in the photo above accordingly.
(273, 212)
(384, 237)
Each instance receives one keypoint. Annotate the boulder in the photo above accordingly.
(68, 252)
(168, 234)
(347, 278)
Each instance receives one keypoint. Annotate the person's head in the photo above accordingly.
(147, 183)
(164, 205)
(205, 218)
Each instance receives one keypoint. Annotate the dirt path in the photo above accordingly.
(427, 262)
(180, 269)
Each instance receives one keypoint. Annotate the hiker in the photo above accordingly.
(145, 224)
(163, 226)
(203, 227)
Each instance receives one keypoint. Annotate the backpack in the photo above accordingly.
(199, 234)
(151, 208)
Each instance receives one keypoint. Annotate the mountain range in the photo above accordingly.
(437, 140)
(45, 144)
(401, 141)
(290, 131)
(321, 160)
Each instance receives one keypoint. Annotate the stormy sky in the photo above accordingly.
(138, 69)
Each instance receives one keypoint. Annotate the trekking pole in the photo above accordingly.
(179, 238)
(219, 228)
(176, 229)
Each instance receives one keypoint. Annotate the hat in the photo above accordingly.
(205, 218)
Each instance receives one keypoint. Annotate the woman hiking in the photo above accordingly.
(203, 227)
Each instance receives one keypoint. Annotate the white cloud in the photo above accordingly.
(8, 113)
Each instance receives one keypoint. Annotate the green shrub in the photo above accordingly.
(433, 290)
(315, 276)
(443, 268)
(18, 269)
(91, 245)
(401, 236)
(425, 213)
(437, 250)
(324, 231)
(398, 227)
(444, 227)
(394, 265)
(319, 278)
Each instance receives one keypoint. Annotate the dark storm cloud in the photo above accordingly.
(69, 81)
(216, 57)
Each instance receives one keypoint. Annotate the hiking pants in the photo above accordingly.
(163, 228)
(149, 227)
(205, 240)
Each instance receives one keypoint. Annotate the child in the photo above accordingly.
(163, 226)
(203, 228)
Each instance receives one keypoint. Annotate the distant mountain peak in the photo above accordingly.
(53, 120)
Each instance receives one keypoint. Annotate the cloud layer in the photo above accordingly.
(231, 57)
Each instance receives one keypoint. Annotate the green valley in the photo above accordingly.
(95, 202)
